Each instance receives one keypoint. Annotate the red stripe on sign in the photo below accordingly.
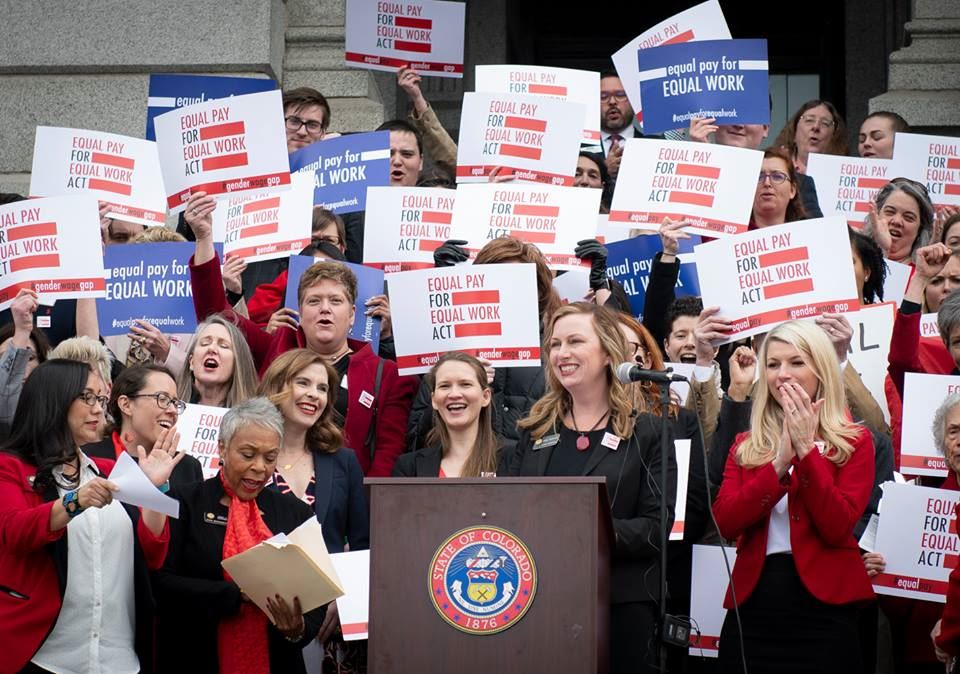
(179, 199)
(291, 247)
(677, 528)
(652, 221)
(260, 230)
(685, 36)
(122, 210)
(410, 22)
(261, 205)
(531, 209)
(221, 130)
(58, 286)
(407, 45)
(911, 583)
(225, 161)
(691, 198)
(711, 172)
(28, 231)
(953, 163)
(871, 183)
(950, 561)
(374, 59)
(494, 354)
(436, 217)
(951, 189)
(524, 123)
(35, 262)
(521, 151)
(547, 89)
(475, 297)
(429, 245)
(784, 256)
(109, 186)
(479, 173)
(112, 160)
(477, 330)
(953, 526)
(534, 237)
(704, 641)
(862, 207)
(353, 628)
(788, 288)
(930, 462)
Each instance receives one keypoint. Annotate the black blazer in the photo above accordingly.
(192, 595)
(632, 472)
(186, 472)
(426, 463)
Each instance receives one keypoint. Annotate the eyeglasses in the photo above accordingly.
(639, 352)
(90, 398)
(776, 177)
(620, 95)
(334, 240)
(163, 401)
(314, 128)
(812, 121)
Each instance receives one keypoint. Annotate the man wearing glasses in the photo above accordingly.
(306, 115)
(616, 120)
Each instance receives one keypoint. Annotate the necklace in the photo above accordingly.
(288, 466)
(583, 442)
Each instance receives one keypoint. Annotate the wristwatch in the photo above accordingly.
(71, 503)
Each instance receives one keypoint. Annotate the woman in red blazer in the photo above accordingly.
(792, 490)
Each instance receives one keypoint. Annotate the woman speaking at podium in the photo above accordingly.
(585, 424)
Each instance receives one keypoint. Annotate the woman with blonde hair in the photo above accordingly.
(220, 369)
(792, 491)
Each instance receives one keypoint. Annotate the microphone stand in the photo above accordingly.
(664, 535)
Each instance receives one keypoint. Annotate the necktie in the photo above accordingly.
(615, 140)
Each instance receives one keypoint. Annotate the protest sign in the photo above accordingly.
(122, 172)
(763, 278)
(870, 346)
(51, 245)
(722, 79)
(929, 327)
(846, 186)
(922, 395)
(682, 452)
(267, 227)
(681, 388)
(607, 233)
(426, 35)
(708, 586)
(933, 161)
(629, 263)
(199, 428)
(344, 167)
(701, 22)
(410, 223)
(535, 138)
(711, 186)
(488, 311)
(353, 608)
(369, 283)
(573, 285)
(895, 284)
(564, 84)
(227, 145)
(917, 537)
(550, 217)
(168, 92)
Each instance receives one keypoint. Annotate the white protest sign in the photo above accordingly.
(534, 138)
(681, 388)
(701, 22)
(917, 537)
(221, 146)
(766, 277)
(353, 607)
(488, 311)
(550, 217)
(932, 160)
(846, 186)
(199, 428)
(51, 245)
(607, 233)
(572, 286)
(712, 186)
(929, 327)
(682, 450)
(564, 84)
(708, 587)
(120, 171)
(266, 227)
(922, 395)
(426, 35)
(410, 223)
(895, 285)
(872, 329)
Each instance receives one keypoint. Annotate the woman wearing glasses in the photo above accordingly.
(144, 407)
(815, 127)
(777, 199)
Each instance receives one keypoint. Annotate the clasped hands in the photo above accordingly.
(801, 419)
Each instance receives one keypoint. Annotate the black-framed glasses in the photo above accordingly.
(163, 401)
(639, 352)
(327, 238)
(314, 128)
(90, 398)
(776, 177)
(619, 95)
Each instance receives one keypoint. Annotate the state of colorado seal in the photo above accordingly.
(482, 580)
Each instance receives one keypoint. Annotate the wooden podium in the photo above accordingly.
(457, 541)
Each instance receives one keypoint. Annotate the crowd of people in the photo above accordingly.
(788, 446)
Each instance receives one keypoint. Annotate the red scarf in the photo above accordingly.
(242, 639)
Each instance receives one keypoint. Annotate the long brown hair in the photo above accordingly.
(510, 249)
(483, 457)
(795, 210)
(324, 435)
(788, 134)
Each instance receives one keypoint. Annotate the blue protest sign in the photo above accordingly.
(344, 168)
(168, 92)
(723, 79)
(369, 283)
(149, 282)
(629, 262)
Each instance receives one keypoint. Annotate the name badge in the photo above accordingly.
(43, 321)
(213, 518)
(546, 441)
(366, 399)
(610, 441)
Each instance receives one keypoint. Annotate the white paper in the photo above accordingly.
(135, 488)
(572, 286)
(895, 285)
(411, 223)
(870, 347)
(681, 388)
(682, 451)
(868, 541)
(708, 587)
(354, 606)
(607, 233)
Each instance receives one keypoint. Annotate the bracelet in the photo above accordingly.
(71, 503)
(297, 638)
(165, 487)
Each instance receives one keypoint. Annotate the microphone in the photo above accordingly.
(631, 372)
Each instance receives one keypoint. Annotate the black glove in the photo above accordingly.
(596, 252)
(451, 252)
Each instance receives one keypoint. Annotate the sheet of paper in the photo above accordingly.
(137, 489)
(354, 606)
(868, 541)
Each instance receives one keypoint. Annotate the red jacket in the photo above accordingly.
(824, 502)
(266, 299)
(29, 584)
(392, 403)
